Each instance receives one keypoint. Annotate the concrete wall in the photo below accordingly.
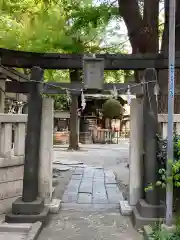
(163, 121)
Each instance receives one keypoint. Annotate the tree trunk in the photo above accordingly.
(142, 30)
(143, 35)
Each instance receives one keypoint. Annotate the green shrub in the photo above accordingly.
(162, 159)
(112, 109)
(159, 234)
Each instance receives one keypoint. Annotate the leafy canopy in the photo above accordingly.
(66, 26)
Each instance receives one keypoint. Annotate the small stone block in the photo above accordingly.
(34, 232)
(13, 227)
(125, 208)
(35, 207)
(26, 218)
(54, 206)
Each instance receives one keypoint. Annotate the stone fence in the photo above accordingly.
(12, 143)
(12, 151)
(163, 121)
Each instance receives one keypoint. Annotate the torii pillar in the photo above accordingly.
(30, 208)
(148, 209)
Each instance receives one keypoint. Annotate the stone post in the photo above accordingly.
(32, 142)
(135, 151)
(150, 142)
(2, 95)
(30, 208)
(46, 151)
(148, 209)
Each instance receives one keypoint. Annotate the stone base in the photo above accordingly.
(28, 208)
(20, 231)
(15, 227)
(145, 214)
(23, 218)
(54, 206)
(35, 231)
(139, 221)
(151, 211)
(125, 208)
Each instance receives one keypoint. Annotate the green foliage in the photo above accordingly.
(175, 164)
(157, 232)
(161, 234)
(64, 26)
(60, 102)
(112, 109)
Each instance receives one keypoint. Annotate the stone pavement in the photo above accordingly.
(91, 185)
(90, 209)
(90, 203)
(109, 156)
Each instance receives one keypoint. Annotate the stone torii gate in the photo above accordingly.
(31, 207)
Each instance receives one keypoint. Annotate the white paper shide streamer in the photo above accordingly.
(68, 96)
(129, 95)
(114, 92)
(83, 100)
(156, 91)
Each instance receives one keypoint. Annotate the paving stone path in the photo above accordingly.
(91, 185)
(90, 203)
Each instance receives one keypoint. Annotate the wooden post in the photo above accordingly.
(32, 143)
(73, 135)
